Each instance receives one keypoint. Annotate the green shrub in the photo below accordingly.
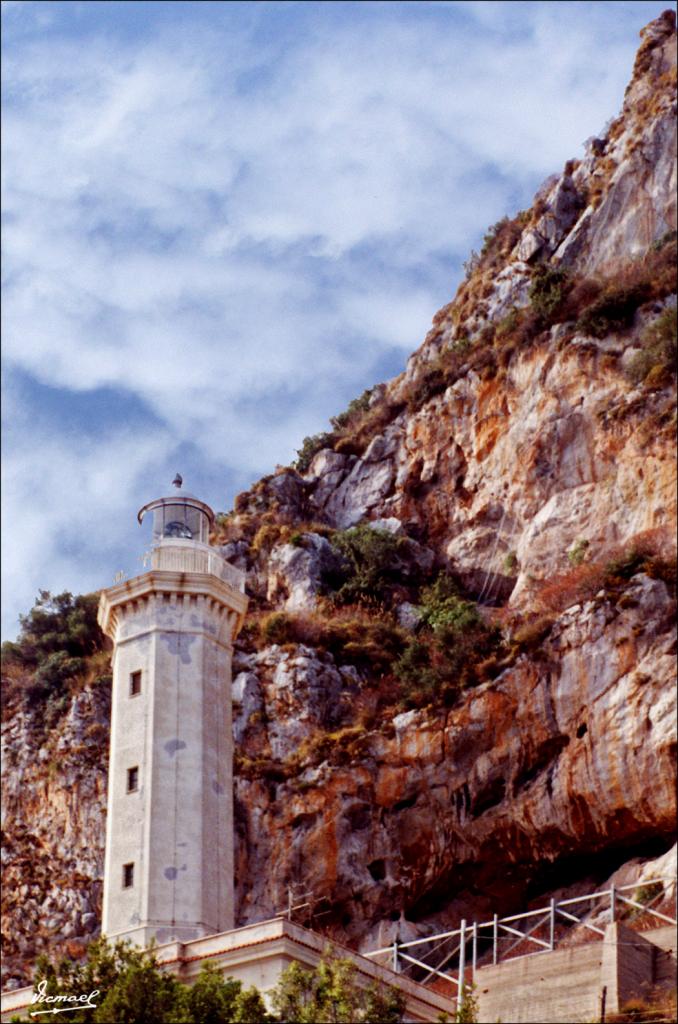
(421, 680)
(461, 345)
(431, 383)
(532, 634)
(55, 640)
(658, 355)
(453, 649)
(648, 893)
(355, 409)
(509, 323)
(547, 291)
(639, 367)
(354, 635)
(577, 553)
(666, 239)
(471, 264)
(133, 989)
(492, 235)
(59, 624)
(450, 612)
(371, 563)
(510, 563)
(333, 992)
(277, 628)
(613, 311)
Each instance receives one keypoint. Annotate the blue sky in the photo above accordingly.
(222, 221)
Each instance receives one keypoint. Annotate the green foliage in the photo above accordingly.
(510, 563)
(332, 994)
(213, 999)
(659, 349)
(444, 610)
(310, 447)
(358, 635)
(577, 552)
(467, 1013)
(547, 291)
(509, 323)
(492, 234)
(613, 311)
(276, 628)
(432, 382)
(132, 989)
(422, 680)
(371, 564)
(55, 639)
(59, 624)
(626, 565)
(142, 995)
(471, 264)
(498, 241)
(108, 969)
(448, 653)
(648, 893)
(531, 635)
(355, 409)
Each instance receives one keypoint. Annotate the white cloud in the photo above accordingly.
(70, 511)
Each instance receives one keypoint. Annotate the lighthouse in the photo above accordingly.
(168, 871)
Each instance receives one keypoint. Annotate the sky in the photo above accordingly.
(223, 221)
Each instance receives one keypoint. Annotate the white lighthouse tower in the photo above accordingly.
(169, 837)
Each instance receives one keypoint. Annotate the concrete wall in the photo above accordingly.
(664, 939)
(628, 966)
(547, 987)
(567, 985)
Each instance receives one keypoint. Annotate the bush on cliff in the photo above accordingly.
(354, 411)
(371, 564)
(451, 651)
(547, 291)
(56, 639)
(62, 623)
(656, 362)
(614, 310)
(354, 634)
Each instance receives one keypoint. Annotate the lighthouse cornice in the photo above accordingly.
(170, 585)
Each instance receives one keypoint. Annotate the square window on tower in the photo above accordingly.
(135, 684)
(127, 876)
(132, 780)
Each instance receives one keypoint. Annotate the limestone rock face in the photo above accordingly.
(559, 766)
(295, 572)
(363, 485)
(553, 755)
(635, 166)
(54, 820)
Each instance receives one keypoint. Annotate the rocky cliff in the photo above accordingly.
(455, 689)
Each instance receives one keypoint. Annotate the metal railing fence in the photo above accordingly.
(516, 929)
